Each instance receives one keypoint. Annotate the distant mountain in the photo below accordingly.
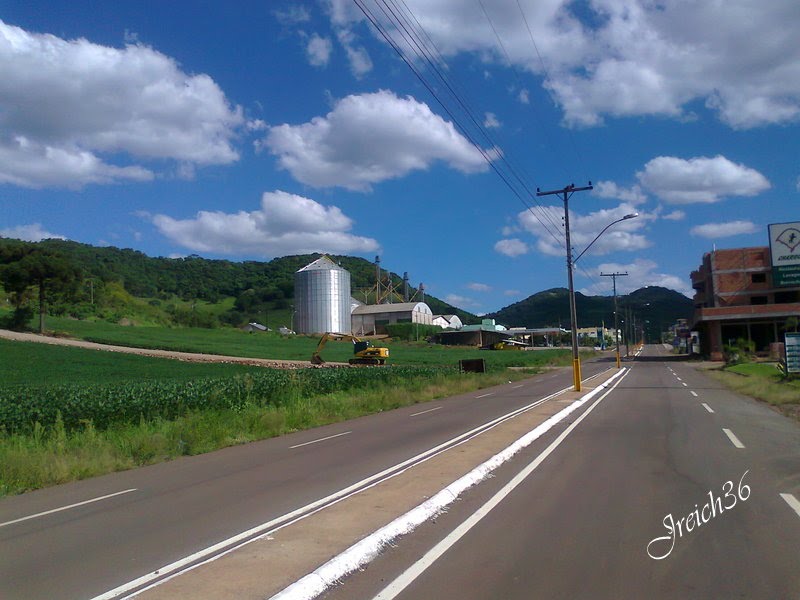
(660, 306)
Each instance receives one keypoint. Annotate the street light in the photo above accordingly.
(565, 194)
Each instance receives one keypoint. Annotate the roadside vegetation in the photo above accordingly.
(764, 381)
(70, 413)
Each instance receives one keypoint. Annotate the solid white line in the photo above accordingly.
(425, 411)
(709, 409)
(330, 437)
(484, 395)
(734, 440)
(55, 510)
(693, 393)
(792, 501)
(409, 575)
(212, 552)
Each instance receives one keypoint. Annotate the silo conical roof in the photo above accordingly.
(323, 263)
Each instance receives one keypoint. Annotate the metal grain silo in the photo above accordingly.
(322, 298)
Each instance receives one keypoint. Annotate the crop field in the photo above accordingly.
(68, 413)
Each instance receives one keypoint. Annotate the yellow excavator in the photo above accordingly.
(364, 353)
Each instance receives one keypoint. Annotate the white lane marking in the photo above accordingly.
(330, 437)
(409, 575)
(734, 440)
(678, 378)
(484, 395)
(792, 502)
(55, 510)
(516, 387)
(693, 393)
(709, 409)
(683, 383)
(425, 411)
(215, 551)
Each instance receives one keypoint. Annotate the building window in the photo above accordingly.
(787, 297)
(758, 299)
(758, 277)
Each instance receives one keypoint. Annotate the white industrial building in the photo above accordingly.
(447, 321)
(371, 319)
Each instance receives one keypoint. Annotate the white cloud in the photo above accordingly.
(700, 180)
(357, 56)
(609, 189)
(284, 224)
(490, 121)
(524, 97)
(479, 287)
(318, 51)
(461, 301)
(67, 107)
(641, 272)
(675, 215)
(511, 247)
(30, 233)
(293, 14)
(545, 223)
(720, 230)
(635, 57)
(370, 138)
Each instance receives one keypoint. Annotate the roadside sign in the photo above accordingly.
(784, 247)
(792, 341)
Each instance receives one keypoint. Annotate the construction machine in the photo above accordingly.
(364, 353)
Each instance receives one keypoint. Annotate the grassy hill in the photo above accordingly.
(130, 286)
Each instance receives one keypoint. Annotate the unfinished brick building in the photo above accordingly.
(735, 298)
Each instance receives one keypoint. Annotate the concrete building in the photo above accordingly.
(447, 321)
(371, 319)
(736, 297)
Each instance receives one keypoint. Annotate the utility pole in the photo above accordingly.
(565, 195)
(616, 320)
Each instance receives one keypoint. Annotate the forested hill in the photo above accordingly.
(255, 285)
(660, 306)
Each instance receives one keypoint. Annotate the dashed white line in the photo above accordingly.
(425, 411)
(484, 395)
(734, 440)
(683, 383)
(55, 510)
(516, 387)
(708, 408)
(792, 502)
(693, 393)
(678, 378)
(330, 437)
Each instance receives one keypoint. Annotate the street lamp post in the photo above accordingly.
(565, 195)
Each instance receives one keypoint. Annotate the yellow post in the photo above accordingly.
(618, 362)
(576, 373)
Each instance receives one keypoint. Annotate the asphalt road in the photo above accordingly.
(663, 444)
(81, 540)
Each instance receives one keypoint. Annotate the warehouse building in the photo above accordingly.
(371, 319)
(743, 293)
(447, 321)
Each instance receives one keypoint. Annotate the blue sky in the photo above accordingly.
(250, 130)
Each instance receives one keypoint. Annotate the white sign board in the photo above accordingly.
(792, 352)
(784, 245)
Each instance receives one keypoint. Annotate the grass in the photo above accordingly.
(764, 382)
(30, 363)
(53, 455)
(233, 342)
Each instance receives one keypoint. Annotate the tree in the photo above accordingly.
(50, 273)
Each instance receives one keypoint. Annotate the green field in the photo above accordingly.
(69, 413)
(233, 342)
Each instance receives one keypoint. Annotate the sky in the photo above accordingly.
(416, 130)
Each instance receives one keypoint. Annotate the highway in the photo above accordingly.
(666, 445)
(85, 539)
